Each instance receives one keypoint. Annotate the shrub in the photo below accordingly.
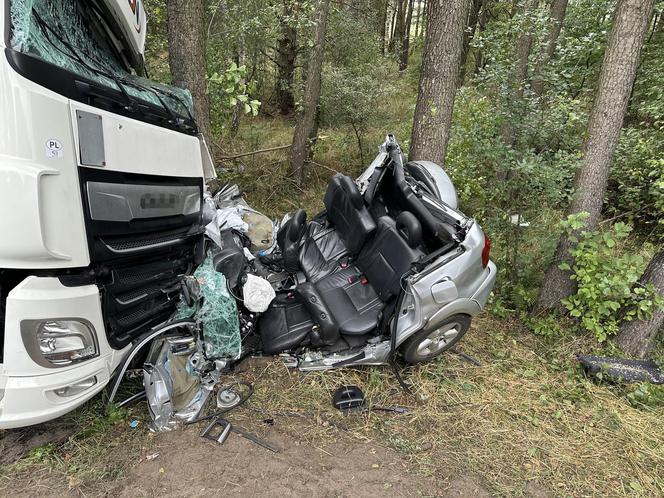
(607, 275)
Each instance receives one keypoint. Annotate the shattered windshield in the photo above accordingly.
(70, 35)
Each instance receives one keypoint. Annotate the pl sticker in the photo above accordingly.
(54, 149)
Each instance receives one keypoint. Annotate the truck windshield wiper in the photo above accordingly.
(132, 103)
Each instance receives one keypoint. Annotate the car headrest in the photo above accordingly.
(410, 228)
(352, 192)
(296, 225)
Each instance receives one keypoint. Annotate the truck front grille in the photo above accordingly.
(139, 263)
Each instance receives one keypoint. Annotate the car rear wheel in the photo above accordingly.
(426, 344)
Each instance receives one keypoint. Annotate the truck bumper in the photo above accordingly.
(33, 400)
(31, 393)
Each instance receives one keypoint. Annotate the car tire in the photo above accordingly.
(427, 344)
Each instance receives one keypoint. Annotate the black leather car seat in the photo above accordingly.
(390, 253)
(347, 212)
(349, 301)
(322, 252)
(289, 237)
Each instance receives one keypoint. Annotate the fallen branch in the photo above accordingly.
(252, 153)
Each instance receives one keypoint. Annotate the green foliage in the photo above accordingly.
(646, 395)
(231, 89)
(606, 274)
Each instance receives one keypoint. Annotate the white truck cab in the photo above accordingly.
(101, 185)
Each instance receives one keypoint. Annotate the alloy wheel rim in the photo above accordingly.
(438, 339)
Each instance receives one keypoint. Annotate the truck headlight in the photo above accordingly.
(59, 342)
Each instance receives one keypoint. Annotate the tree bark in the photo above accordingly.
(558, 10)
(418, 19)
(522, 56)
(239, 107)
(286, 59)
(186, 55)
(468, 35)
(440, 68)
(382, 24)
(637, 337)
(393, 27)
(306, 121)
(621, 60)
(523, 46)
(481, 26)
(405, 40)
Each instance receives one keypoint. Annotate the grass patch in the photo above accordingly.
(526, 415)
(103, 448)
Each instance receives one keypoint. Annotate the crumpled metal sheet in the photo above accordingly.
(218, 314)
(175, 385)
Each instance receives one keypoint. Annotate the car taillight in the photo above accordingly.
(486, 252)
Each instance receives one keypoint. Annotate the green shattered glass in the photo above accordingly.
(68, 40)
(218, 315)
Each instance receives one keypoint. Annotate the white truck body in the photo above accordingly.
(90, 199)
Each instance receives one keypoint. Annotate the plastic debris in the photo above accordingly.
(258, 294)
(133, 424)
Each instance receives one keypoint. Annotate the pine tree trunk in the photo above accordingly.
(418, 19)
(286, 59)
(621, 60)
(558, 10)
(186, 55)
(637, 337)
(405, 40)
(446, 21)
(468, 36)
(306, 121)
(481, 26)
(239, 107)
(523, 46)
(382, 24)
(393, 27)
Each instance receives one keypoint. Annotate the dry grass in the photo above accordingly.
(525, 415)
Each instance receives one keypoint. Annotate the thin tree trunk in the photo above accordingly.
(405, 40)
(637, 337)
(621, 60)
(306, 121)
(523, 46)
(522, 57)
(382, 24)
(558, 10)
(440, 67)
(393, 27)
(468, 36)
(481, 27)
(186, 55)
(418, 19)
(286, 59)
(239, 107)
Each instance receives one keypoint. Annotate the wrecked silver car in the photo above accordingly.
(391, 267)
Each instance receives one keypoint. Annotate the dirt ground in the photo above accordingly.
(180, 463)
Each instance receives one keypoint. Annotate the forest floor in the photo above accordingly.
(524, 423)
